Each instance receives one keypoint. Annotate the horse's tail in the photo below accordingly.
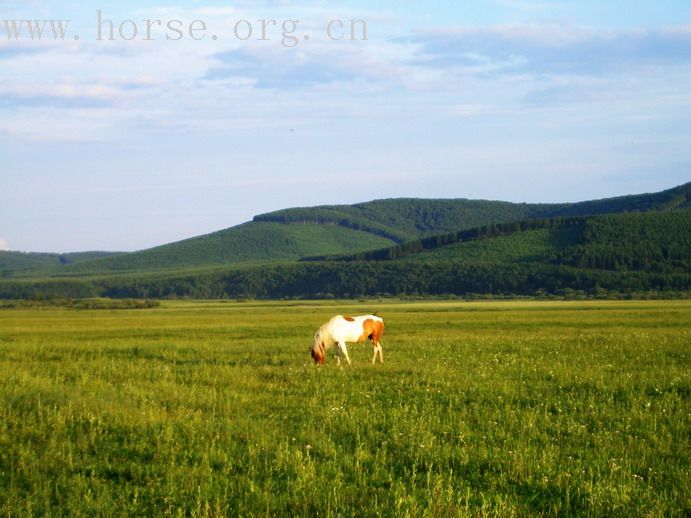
(318, 352)
(372, 329)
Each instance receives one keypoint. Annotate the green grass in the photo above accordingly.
(212, 408)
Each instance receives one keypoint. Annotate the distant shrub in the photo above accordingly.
(82, 303)
(115, 304)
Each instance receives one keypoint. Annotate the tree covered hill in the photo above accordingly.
(33, 261)
(677, 198)
(406, 219)
(651, 241)
(625, 253)
(398, 225)
(250, 242)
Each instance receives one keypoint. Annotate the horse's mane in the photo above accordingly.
(322, 332)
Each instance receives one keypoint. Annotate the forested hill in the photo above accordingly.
(678, 198)
(648, 241)
(632, 254)
(292, 234)
(406, 219)
(18, 261)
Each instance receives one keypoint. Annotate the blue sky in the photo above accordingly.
(124, 145)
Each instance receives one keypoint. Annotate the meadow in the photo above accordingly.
(520, 408)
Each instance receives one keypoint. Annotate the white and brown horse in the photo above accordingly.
(341, 329)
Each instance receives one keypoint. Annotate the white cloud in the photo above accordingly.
(96, 92)
(472, 110)
(555, 49)
(58, 92)
(3, 245)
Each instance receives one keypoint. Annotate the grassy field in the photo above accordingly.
(481, 409)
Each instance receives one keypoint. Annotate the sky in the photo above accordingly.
(142, 140)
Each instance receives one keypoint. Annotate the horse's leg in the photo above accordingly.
(374, 337)
(378, 349)
(343, 348)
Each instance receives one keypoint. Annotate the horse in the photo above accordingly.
(341, 329)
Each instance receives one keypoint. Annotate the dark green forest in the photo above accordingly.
(348, 280)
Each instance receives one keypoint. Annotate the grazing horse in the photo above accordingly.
(341, 329)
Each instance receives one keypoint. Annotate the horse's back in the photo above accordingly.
(358, 319)
(353, 329)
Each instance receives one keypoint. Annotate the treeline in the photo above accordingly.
(359, 279)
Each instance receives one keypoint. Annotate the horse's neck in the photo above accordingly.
(325, 335)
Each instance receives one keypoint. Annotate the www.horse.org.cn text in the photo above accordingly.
(287, 32)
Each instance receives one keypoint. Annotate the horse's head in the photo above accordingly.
(318, 350)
